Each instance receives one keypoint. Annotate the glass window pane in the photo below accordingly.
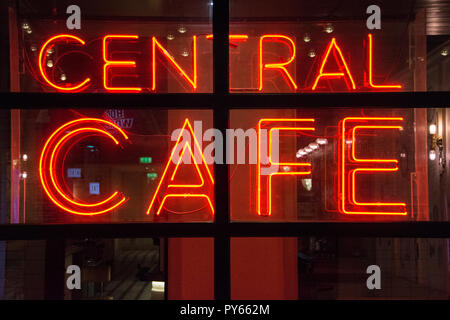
(334, 268)
(338, 164)
(113, 165)
(117, 269)
(108, 269)
(335, 46)
(153, 47)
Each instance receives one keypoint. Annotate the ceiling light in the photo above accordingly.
(329, 28)
(313, 145)
(306, 37)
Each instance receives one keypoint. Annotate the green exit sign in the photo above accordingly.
(145, 159)
(152, 175)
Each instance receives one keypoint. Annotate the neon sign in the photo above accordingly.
(199, 186)
(281, 66)
(42, 58)
(333, 54)
(53, 155)
(265, 181)
(350, 166)
(193, 81)
(108, 64)
(342, 67)
(168, 188)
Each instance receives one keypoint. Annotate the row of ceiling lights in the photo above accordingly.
(328, 28)
(182, 29)
(313, 146)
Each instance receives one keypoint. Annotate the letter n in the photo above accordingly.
(174, 186)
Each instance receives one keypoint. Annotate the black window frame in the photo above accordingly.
(221, 101)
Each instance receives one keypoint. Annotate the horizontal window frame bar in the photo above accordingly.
(411, 229)
(194, 101)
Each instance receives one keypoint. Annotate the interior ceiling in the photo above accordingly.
(438, 16)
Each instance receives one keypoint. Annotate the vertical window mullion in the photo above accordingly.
(222, 285)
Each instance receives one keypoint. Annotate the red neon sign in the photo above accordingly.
(240, 37)
(52, 156)
(108, 64)
(349, 166)
(370, 67)
(168, 188)
(264, 192)
(43, 58)
(281, 66)
(343, 68)
(284, 66)
(192, 82)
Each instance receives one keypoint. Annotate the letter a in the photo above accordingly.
(74, 280)
(343, 72)
(374, 20)
(374, 281)
(184, 188)
(74, 20)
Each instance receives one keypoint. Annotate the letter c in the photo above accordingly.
(43, 58)
(65, 137)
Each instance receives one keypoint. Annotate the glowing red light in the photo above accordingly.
(51, 152)
(43, 57)
(241, 37)
(349, 166)
(343, 68)
(192, 82)
(108, 64)
(370, 67)
(265, 181)
(170, 189)
(284, 67)
(280, 66)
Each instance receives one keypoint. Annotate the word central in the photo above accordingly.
(334, 66)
